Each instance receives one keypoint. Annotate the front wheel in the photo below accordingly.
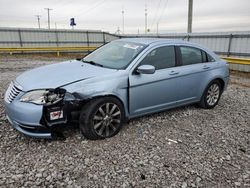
(211, 95)
(102, 118)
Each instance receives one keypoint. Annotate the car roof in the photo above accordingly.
(149, 41)
(158, 41)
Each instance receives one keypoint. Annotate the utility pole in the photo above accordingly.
(190, 16)
(122, 20)
(48, 9)
(38, 20)
(118, 31)
(157, 28)
(146, 19)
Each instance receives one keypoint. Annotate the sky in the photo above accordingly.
(106, 15)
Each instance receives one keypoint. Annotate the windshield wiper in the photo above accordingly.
(92, 63)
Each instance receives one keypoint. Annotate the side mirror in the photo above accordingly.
(146, 69)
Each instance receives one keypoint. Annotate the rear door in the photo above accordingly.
(194, 69)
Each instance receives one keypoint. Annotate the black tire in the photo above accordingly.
(92, 122)
(205, 102)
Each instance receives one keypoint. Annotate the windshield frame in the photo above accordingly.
(144, 46)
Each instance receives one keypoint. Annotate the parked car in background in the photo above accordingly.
(123, 79)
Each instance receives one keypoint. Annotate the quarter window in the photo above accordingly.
(210, 58)
(206, 57)
(160, 58)
(191, 55)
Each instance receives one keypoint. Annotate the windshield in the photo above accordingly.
(115, 55)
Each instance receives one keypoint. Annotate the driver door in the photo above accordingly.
(153, 92)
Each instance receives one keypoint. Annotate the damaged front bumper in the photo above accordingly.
(40, 121)
(25, 118)
(31, 130)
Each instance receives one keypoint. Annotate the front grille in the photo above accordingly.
(12, 91)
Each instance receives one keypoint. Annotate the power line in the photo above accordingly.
(163, 10)
(48, 9)
(38, 20)
(82, 12)
(156, 14)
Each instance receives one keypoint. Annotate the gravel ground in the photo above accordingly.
(183, 147)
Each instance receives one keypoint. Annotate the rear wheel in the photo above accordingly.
(211, 95)
(102, 118)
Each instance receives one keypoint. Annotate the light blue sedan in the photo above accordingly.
(121, 80)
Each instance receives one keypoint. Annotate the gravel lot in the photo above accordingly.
(183, 147)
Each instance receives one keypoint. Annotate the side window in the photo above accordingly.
(190, 55)
(206, 57)
(210, 58)
(160, 58)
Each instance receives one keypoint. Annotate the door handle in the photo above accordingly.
(206, 67)
(173, 73)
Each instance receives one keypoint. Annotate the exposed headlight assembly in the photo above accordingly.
(47, 97)
(36, 97)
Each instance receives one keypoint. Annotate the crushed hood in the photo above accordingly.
(59, 74)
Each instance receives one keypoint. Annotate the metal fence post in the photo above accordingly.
(57, 40)
(56, 33)
(229, 45)
(20, 38)
(87, 32)
(103, 36)
(186, 36)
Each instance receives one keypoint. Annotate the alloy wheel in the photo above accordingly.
(106, 119)
(213, 94)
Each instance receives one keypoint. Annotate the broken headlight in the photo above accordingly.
(36, 97)
(47, 97)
